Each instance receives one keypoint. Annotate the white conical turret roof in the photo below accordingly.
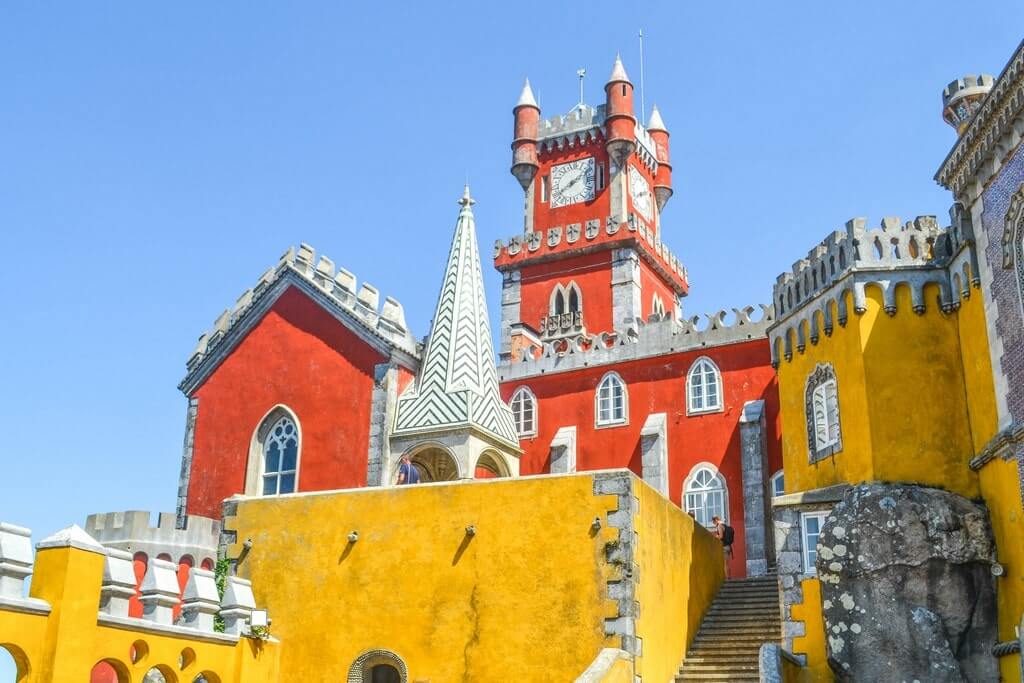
(618, 71)
(526, 98)
(457, 384)
(655, 122)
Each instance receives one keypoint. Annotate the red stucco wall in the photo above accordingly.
(657, 385)
(300, 356)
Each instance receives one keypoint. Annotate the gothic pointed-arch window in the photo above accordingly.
(566, 299)
(658, 306)
(705, 494)
(821, 407)
(611, 401)
(280, 457)
(558, 301)
(703, 387)
(524, 410)
(574, 298)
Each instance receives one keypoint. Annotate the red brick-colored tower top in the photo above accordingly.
(620, 121)
(524, 145)
(663, 177)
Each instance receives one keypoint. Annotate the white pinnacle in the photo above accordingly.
(618, 72)
(526, 98)
(655, 122)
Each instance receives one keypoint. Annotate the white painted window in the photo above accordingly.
(811, 524)
(777, 484)
(611, 401)
(703, 387)
(280, 457)
(826, 415)
(705, 494)
(524, 409)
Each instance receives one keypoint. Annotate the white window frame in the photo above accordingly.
(566, 291)
(264, 445)
(611, 421)
(524, 397)
(723, 486)
(777, 477)
(698, 365)
(809, 566)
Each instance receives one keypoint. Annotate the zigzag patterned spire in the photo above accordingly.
(458, 384)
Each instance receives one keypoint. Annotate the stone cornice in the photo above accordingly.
(993, 132)
(1004, 445)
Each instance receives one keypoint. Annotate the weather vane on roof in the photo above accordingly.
(581, 73)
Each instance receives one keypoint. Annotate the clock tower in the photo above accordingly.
(590, 258)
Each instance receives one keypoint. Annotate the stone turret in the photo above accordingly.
(524, 145)
(620, 120)
(663, 176)
(963, 97)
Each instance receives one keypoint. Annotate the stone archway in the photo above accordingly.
(490, 465)
(377, 666)
(435, 463)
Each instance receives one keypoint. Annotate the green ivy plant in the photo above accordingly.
(220, 576)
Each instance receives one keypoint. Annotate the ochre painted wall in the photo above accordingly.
(525, 599)
(902, 401)
(681, 569)
(977, 368)
(300, 356)
(658, 385)
(1000, 487)
(812, 643)
(68, 643)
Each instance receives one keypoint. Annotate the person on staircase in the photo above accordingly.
(726, 534)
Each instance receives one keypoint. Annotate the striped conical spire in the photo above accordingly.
(457, 384)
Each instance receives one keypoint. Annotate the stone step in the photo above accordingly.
(732, 678)
(723, 658)
(733, 640)
(739, 627)
(740, 613)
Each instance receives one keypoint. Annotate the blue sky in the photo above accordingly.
(158, 158)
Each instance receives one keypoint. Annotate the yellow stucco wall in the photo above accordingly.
(1000, 488)
(902, 399)
(852, 464)
(812, 643)
(66, 644)
(681, 568)
(977, 368)
(525, 599)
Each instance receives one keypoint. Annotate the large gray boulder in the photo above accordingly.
(906, 586)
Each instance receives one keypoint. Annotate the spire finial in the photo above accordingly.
(526, 98)
(466, 201)
(618, 71)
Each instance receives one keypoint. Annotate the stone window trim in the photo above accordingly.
(366, 661)
(1013, 242)
(690, 486)
(702, 369)
(822, 375)
(657, 305)
(613, 382)
(776, 484)
(819, 517)
(254, 469)
(526, 421)
(565, 292)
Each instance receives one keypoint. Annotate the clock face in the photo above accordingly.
(640, 193)
(572, 183)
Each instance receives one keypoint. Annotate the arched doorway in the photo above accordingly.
(435, 463)
(13, 664)
(382, 673)
(378, 666)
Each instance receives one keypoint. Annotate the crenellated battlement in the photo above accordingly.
(360, 304)
(585, 125)
(540, 243)
(132, 530)
(105, 578)
(658, 335)
(915, 253)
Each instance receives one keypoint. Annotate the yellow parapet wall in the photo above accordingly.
(499, 580)
(58, 634)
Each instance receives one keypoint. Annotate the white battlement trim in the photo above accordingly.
(24, 605)
(916, 254)
(71, 537)
(658, 336)
(138, 625)
(134, 526)
(336, 286)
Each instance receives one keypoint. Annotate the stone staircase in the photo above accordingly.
(744, 614)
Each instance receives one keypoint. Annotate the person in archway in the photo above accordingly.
(407, 472)
(726, 535)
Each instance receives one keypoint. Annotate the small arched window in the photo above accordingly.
(705, 494)
(566, 299)
(777, 484)
(611, 401)
(574, 298)
(821, 408)
(658, 306)
(280, 457)
(558, 301)
(524, 409)
(703, 387)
